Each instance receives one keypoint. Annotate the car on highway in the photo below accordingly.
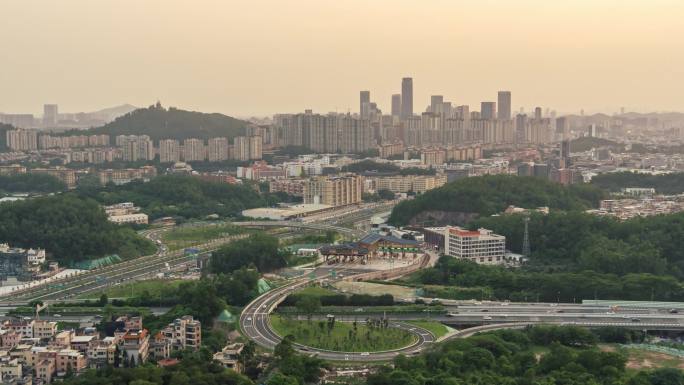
(673, 311)
(452, 314)
(365, 354)
(610, 312)
(249, 319)
(487, 318)
(57, 316)
(636, 320)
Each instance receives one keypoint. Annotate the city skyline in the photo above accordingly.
(564, 56)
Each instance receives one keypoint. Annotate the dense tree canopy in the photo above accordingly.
(171, 123)
(579, 241)
(507, 357)
(69, 228)
(260, 250)
(489, 195)
(183, 195)
(663, 184)
(586, 143)
(31, 183)
(496, 282)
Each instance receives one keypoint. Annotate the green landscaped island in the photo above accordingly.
(342, 336)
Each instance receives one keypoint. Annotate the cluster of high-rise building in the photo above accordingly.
(72, 141)
(195, 150)
(443, 123)
(331, 133)
(131, 148)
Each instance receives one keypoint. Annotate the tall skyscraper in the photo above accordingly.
(193, 150)
(22, 140)
(565, 152)
(50, 115)
(217, 149)
(537, 113)
(136, 148)
(488, 110)
(521, 128)
(406, 97)
(504, 100)
(436, 102)
(364, 104)
(396, 105)
(169, 151)
(562, 127)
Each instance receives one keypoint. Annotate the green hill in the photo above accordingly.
(489, 195)
(68, 227)
(171, 123)
(587, 143)
(184, 196)
(664, 184)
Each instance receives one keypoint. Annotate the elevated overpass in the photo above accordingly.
(353, 233)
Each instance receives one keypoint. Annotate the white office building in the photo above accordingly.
(481, 246)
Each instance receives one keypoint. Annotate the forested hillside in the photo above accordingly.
(30, 183)
(171, 123)
(182, 195)
(69, 228)
(663, 184)
(509, 358)
(489, 195)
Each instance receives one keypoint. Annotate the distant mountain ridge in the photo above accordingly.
(172, 123)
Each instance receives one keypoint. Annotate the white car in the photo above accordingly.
(249, 319)
(365, 354)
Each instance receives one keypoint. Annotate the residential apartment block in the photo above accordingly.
(334, 191)
(184, 333)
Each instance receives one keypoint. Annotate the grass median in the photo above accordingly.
(342, 336)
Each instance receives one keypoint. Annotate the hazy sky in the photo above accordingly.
(268, 56)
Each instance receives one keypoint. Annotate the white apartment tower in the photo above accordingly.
(217, 149)
(193, 150)
(169, 151)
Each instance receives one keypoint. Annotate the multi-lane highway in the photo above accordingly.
(97, 279)
(469, 317)
(255, 323)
